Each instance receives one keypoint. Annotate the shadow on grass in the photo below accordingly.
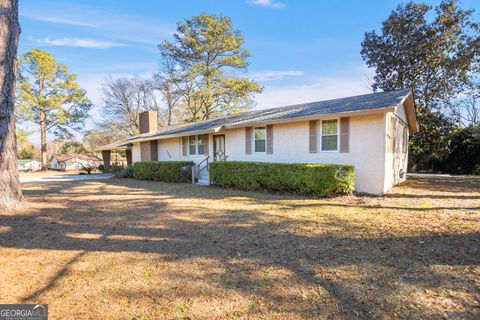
(234, 235)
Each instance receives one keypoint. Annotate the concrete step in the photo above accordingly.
(203, 182)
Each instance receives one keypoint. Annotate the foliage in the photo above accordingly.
(94, 138)
(121, 171)
(205, 54)
(49, 96)
(124, 99)
(26, 150)
(464, 157)
(167, 171)
(70, 147)
(435, 58)
(429, 147)
(316, 179)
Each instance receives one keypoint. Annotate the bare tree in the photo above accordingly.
(123, 99)
(466, 110)
(168, 82)
(11, 195)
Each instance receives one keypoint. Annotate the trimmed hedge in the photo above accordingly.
(121, 171)
(315, 179)
(166, 171)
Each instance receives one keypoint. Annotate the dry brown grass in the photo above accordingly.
(126, 249)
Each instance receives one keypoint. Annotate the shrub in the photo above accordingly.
(167, 171)
(464, 157)
(121, 171)
(316, 179)
(89, 167)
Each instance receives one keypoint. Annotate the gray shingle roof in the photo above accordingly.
(348, 104)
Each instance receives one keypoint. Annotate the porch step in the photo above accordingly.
(203, 182)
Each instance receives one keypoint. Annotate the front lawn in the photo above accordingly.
(129, 249)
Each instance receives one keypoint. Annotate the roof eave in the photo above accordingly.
(317, 116)
(408, 103)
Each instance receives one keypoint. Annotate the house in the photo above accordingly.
(368, 131)
(29, 165)
(66, 162)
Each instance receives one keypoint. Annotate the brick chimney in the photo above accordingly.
(148, 122)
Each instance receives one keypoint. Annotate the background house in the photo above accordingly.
(65, 162)
(29, 165)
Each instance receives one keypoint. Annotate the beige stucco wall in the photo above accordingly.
(136, 153)
(169, 149)
(291, 144)
(396, 162)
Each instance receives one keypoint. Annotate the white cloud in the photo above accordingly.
(268, 3)
(105, 24)
(79, 42)
(58, 20)
(270, 75)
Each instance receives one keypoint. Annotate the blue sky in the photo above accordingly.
(301, 50)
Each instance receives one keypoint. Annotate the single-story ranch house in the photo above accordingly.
(66, 162)
(368, 131)
(29, 165)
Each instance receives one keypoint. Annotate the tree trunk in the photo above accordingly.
(10, 193)
(43, 140)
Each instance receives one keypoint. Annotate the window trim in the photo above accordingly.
(337, 134)
(254, 139)
(196, 145)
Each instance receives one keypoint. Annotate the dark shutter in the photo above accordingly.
(128, 154)
(145, 150)
(184, 146)
(248, 140)
(154, 150)
(313, 136)
(344, 134)
(270, 139)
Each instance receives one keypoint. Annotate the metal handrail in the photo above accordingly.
(196, 169)
(200, 169)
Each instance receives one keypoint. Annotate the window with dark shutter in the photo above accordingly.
(329, 135)
(260, 139)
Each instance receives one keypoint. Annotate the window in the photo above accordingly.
(405, 140)
(201, 144)
(330, 135)
(192, 143)
(392, 133)
(196, 144)
(260, 138)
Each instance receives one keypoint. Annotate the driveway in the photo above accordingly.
(66, 177)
